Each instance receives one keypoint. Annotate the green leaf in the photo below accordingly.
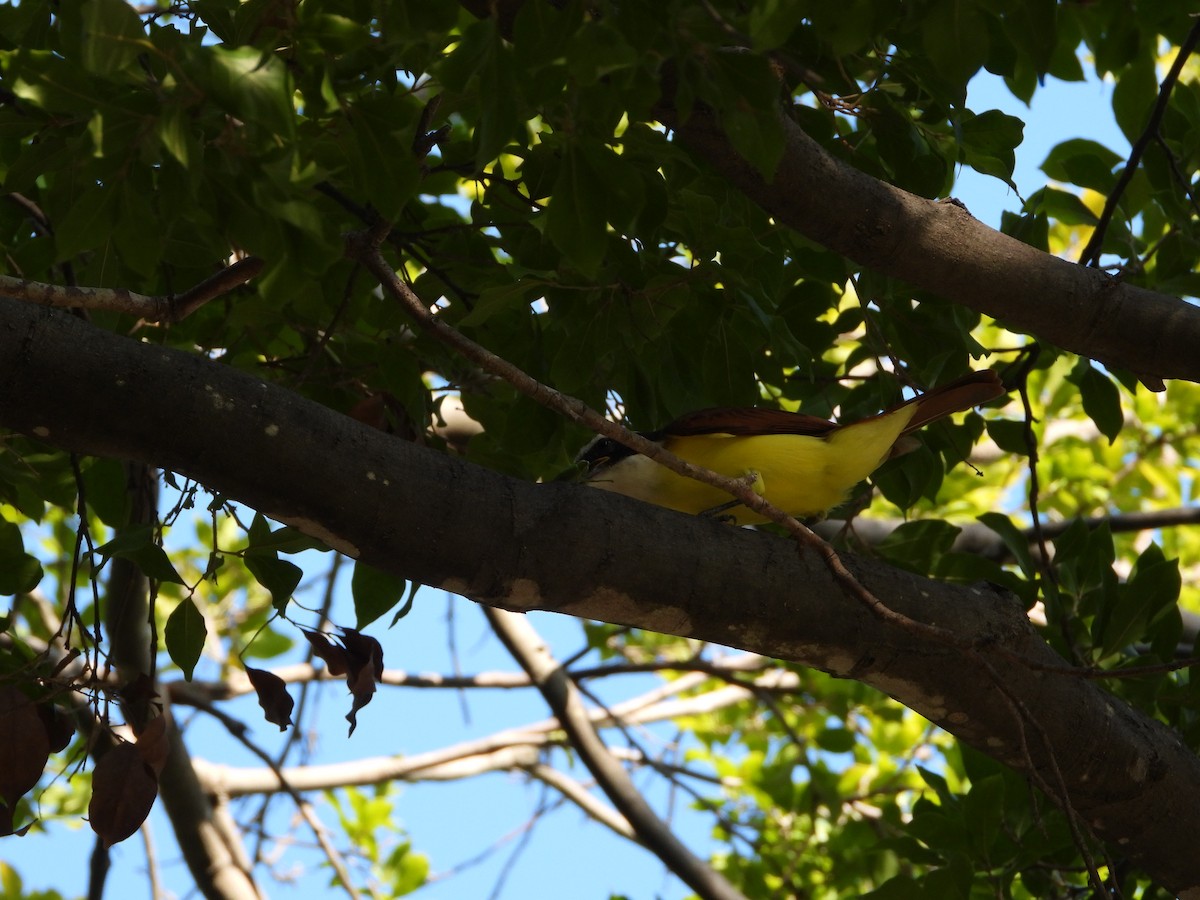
(374, 593)
(917, 546)
(19, 572)
(983, 808)
(1009, 435)
(173, 132)
(252, 85)
(1032, 229)
(598, 51)
(1152, 588)
(772, 21)
(747, 100)
(955, 39)
(112, 36)
(278, 576)
(138, 545)
(835, 740)
(185, 635)
(1155, 582)
(500, 90)
(1061, 206)
(1083, 162)
(87, 223)
(575, 220)
(1016, 542)
(107, 491)
(284, 540)
(496, 299)
(988, 143)
(1134, 96)
(1101, 399)
(408, 604)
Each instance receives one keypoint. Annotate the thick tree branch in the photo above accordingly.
(941, 248)
(1130, 778)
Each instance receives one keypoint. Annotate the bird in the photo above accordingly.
(801, 464)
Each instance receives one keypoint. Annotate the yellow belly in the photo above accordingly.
(799, 474)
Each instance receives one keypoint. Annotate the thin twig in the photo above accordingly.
(168, 308)
(1091, 252)
(1022, 715)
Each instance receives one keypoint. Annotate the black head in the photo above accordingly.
(601, 451)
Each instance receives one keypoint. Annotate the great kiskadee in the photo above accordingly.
(801, 464)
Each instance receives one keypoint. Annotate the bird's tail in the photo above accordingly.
(954, 396)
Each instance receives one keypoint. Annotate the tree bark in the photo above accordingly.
(518, 546)
(943, 249)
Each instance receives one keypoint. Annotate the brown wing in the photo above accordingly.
(748, 420)
(954, 396)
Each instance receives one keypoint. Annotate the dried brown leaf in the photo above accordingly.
(363, 650)
(60, 728)
(123, 792)
(153, 744)
(335, 657)
(273, 697)
(362, 687)
(24, 747)
(365, 656)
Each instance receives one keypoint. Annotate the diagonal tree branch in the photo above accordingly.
(564, 698)
(941, 248)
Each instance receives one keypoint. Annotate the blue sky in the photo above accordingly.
(564, 855)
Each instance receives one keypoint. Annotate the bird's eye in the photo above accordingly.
(597, 451)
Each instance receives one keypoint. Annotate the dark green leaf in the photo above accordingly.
(139, 546)
(112, 36)
(374, 592)
(1134, 95)
(575, 220)
(835, 740)
(1083, 162)
(1101, 399)
(278, 576)
(87, 223)
(989, 141)
(955, 39)
(107, 491)
(917, 546)
(252, 85)
(19, 572)
(1014, 539)
(1061, 206)
(408, 604)
(185, 635)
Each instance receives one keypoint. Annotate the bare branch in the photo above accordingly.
(169, 308)
(564, 699)
(580, 796)
(512, 748)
